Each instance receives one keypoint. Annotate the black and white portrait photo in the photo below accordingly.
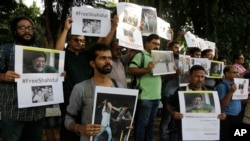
(42, 94)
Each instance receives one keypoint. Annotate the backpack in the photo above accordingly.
(134, 84)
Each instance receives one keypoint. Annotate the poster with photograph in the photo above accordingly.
(204, 62)
(128, 30)
(163, 28)
(200, 110)
(216, 69)
(90, 21)
(114, 109)
(164, 62)
(191, 39)
(40, 81)
(201, 43)
(149, 17)
(242, 88)
(184, 66)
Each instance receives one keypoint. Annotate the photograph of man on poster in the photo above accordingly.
(38, 62)
(115, 114)
(197, 103)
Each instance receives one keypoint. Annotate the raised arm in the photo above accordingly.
(62, 37)
(108, 39)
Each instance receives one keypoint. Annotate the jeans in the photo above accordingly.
(14, 130)
(144, 120)
(166, 123)
(165, 119)
(108, 130)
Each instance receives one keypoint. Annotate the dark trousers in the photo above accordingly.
(14, 130)
(66, 135)
(225, 126)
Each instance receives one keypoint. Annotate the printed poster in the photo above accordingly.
(184, 66)
(204, 62)
(242, 88)
(149, 17)
(164, 62)
(191, 39)
(40, 81)
(216, 69)
(117, 107)
(128, 30)
(90, 21)
(200, 110)
(163, 28)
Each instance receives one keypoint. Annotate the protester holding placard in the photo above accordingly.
(77, 69)
(150, 94)
(81, 99)
(228, 105)
(25, 123)
(196, 83)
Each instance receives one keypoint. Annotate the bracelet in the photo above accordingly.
(76, 129)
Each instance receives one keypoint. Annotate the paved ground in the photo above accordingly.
(53, 133)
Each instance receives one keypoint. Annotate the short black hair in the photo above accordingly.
(97, 47)
(195, 68)
(13, 23)
(237, 56)
(151, 37)
(227, 68)
(192, 50)
(171, 44)
(205, 51)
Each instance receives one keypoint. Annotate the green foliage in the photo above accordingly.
(10, 10)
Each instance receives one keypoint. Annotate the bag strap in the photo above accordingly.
(89, 92)
(115, 83)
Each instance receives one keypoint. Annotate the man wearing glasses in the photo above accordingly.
(231, 107)
(25, 123)
(77, 69)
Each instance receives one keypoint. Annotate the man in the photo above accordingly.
(195, 52)
(228, 105)
(207, 53)
(105, 123)
(81, 99)
(196, 83)
(118, 70)
(150, 90)
(77, 68)
(24, 124)
(198, 106)
(39, 64)
(170, 84)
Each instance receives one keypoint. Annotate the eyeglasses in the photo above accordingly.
(23, 28)
(78, 40)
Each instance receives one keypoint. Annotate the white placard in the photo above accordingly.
(200, 110)
(39, 88)
(164, 62)
(90, 21)
(128, 30)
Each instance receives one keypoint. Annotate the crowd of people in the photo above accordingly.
(104, 65)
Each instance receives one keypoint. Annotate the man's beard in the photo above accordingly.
(21, 40)
(106, 69)
(38, 68)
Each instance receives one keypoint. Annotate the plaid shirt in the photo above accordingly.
(8, 93)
